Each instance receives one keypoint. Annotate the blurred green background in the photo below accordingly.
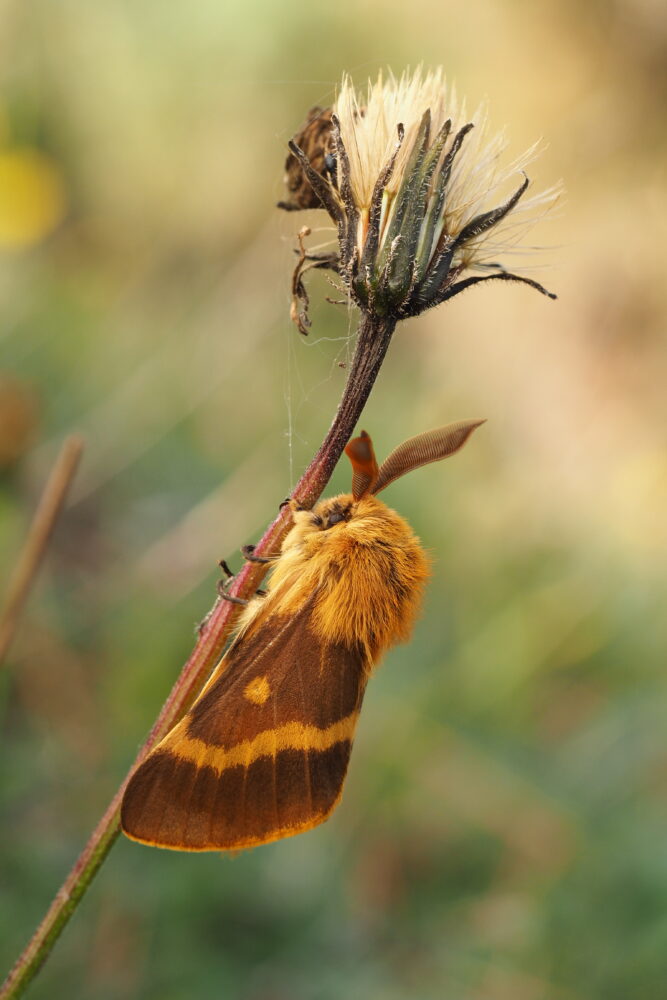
(502, 833)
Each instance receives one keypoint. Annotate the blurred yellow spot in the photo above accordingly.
(257, 690)
(32, 198)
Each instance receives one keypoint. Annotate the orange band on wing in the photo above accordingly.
(291, 736)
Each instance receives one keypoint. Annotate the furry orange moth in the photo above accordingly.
(263, 752)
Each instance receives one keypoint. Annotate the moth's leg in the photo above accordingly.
(229, 576)
(223, 584)
(233, 600)
(293, 504)
(225, 569)
(222, 592)
(248, 553)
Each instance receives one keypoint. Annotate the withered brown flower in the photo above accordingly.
(416, 191)
(316, 141)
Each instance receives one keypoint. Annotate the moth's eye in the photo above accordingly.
(335, 516)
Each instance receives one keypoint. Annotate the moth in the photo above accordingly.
(263, 752)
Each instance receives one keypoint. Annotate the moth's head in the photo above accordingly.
(337, 515)
(328, 513)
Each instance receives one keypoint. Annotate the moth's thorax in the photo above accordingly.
(361, 565)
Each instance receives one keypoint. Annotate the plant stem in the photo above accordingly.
(373, 339)
(37, 540)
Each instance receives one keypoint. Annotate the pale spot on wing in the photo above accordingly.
(257, 690)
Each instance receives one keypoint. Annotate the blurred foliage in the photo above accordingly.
(502, 834)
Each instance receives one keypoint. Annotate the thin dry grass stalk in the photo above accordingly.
(36, 543)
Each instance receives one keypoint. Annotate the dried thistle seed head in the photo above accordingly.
(419, 195)
(314, 138)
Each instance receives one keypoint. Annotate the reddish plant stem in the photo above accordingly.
(373, 339)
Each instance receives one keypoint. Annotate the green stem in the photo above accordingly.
(373, 339)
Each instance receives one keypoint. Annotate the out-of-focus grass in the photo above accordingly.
(502, 834)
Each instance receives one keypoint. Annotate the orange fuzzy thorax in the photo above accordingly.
(365, 574)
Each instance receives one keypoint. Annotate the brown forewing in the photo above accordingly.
(264, 751)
